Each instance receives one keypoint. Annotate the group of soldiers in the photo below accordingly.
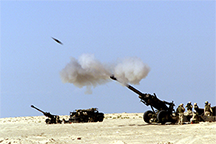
(181, 111)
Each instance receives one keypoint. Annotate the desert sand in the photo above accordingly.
(118, 128)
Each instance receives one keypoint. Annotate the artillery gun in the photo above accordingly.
(86, 115)
(52, 119)
(161, 112)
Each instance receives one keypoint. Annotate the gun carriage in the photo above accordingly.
(52, 119)
(161, 111)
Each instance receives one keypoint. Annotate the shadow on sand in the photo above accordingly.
(133, 125)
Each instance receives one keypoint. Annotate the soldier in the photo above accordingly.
(195, 106)
(180, 111)
(198, 110)
(189, 109)
(207, 109)
(211, 112)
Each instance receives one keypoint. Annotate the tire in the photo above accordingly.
(75, 120)
(99, 118)
(91, 120)
(163, 116)
(147, 116)
(59, 121)
(48, 121)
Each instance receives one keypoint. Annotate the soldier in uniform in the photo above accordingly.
(207, 109)
(195, 106)
(211, 112)
(189, 107)
(180, 111)
(198, 110)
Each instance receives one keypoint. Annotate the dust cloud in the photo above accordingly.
(89, 72)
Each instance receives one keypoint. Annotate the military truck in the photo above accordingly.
(85, 115)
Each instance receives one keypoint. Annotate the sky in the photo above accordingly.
(175, 40)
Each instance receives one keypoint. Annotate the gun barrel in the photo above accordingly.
(127, 85)
(37, 109)
(134, 90)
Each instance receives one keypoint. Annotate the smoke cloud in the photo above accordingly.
(131, 70)
(89, 72)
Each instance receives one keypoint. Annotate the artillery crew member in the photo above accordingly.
(181, 110)
(189, 107)
(195, 106)
(207, 109)
(197, 109)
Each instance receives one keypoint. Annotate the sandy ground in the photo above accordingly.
(120, 128)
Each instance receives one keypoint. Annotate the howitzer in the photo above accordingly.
(164, 110)
(52, 119)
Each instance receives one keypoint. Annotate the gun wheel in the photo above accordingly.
(48, 121)
(147, 116)
(163, 116)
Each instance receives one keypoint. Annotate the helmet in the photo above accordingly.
(209, 103)
(181, 104)
(189, 102)
(195, 103)
(206, 102)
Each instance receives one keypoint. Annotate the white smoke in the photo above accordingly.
(131, 70)
(89, 72)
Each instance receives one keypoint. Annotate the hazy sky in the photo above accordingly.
(176, 39)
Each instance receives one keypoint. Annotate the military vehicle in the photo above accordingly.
(161, 111)
(85, 115)
(52, 119)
